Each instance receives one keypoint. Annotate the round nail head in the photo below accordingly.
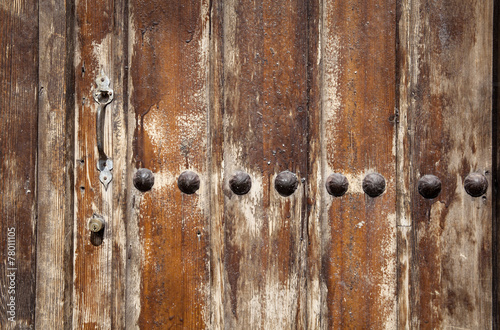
(188, 182)
(144, 179)
(429, 186)
(337, 184)
(374, 184)
(286, 183)
(240, 183)
(476, 184)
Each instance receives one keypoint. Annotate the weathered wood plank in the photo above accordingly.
(169, 231)
(55, 166)
(265, 133)
(496, 166)
(446, 68)
(18, 151)
(316, 294)
(216, 147)
(358, 136)
(99, 270)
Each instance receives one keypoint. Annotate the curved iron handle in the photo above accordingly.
(103, 95)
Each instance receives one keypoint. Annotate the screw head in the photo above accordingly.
(337, 184)
(429, 186)
(240, 183)
(188, 182)
(374, 184)
(286, 183)
(476, 184)
(144, 179)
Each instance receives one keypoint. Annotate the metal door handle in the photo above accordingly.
(103, 95)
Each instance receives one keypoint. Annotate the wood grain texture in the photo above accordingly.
(317, 307)
(265, 132)
(169, 236)
(445, 103)
(496, 165)
(358, 136)
(18, 151)
(99, 271)
(55, 166)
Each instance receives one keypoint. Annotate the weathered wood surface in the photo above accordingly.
(310, 86)
(445, 56)
(99, 270)
(54, 252)
(265, 133)
(357, 138)
(169, 231)
(18, 151)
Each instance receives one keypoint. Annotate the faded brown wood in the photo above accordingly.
(265, 132)
(18, 151)
(445, 103)
(169, 231)
(55, 167)
(317, 307)
(357, 138)
(99, 270)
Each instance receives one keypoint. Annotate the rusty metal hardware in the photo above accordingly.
(374, 184)
(103, 95)
(144, 179)
(337, 184)
(286, 183)
(188, 182)
(476, 184)
(429, 186)
(96, 223)
(240, 183)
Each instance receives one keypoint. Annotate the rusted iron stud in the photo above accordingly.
(240, 183)
(286, 183)
(144, 179)
(337, 184)
(429, 186)
(476, 184)
(374, 184)
(188, 182)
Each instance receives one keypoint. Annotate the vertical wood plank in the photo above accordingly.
(446, 65)
(496, 165)
(358, 136)
(99, 260)
(55, 166)
(169, 231)
(265, 132)
(316, 293)
(18, 151)
(216, 146)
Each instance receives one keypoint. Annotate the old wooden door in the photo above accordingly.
(241, 112)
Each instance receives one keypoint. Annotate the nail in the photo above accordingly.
(337, 184)
(240, 183)
(476, 184)
(429, 186)
(286, 183)
(374, 184)
(188, 182)
(144, 179)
